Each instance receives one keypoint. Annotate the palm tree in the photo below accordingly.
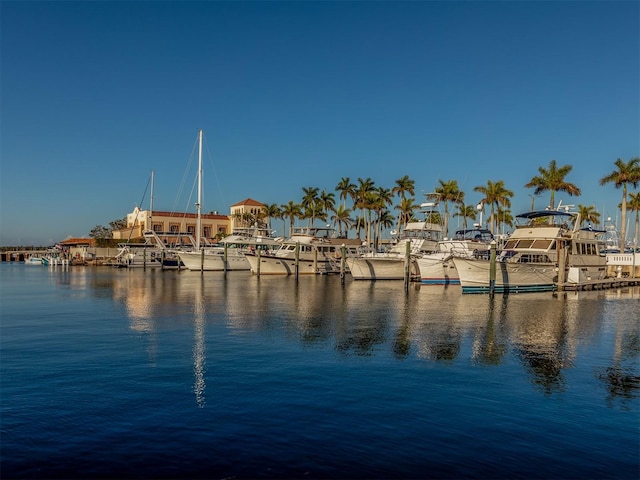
(272, 211)
(312, 212)
(342, 217)
(403, 186)
(553, 180)
(447, 192)
(379, 200)
(245, 219)
(364, 188)
(346, 189)
(496, 195)
(327, 202)
(627, 173)
(385, 220)
(406, 209)
(466, 212)
(588, 214)
(634, 205)
(309, 200)
(291, 211)
(504, 217)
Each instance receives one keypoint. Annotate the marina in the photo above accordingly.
(152, 374)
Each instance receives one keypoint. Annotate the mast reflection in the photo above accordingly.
(199, 349)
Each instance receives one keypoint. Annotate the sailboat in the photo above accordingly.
(136, 254)
(229, 254)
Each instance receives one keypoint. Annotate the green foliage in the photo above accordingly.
(100, 232)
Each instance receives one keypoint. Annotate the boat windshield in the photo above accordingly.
(477, 235)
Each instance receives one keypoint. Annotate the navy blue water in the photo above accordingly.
(110, 373)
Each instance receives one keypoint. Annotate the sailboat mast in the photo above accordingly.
(198, 205)
(150, 226)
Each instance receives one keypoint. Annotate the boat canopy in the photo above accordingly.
(546, 213)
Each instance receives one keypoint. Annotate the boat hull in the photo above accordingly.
(474, 276)
(438, 269)
(213, 261)
(273, 265)
(521, 277)
(379, 268)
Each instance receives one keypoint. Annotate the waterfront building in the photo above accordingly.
(214, 225)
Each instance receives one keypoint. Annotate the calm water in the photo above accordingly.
(109, 373)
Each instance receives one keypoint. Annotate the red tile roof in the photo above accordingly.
(78, 241)
(249, 201)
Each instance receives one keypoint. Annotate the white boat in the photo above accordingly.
(170, 244)
(623, 265)
(33, 260)
(610, 238)
(422, 237)
(529, 259)
(438, 268)
(134, 255)
(309, 250)
(229, 253)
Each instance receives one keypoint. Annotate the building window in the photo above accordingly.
(191, 229)
(206, 232)
(157, 227)
(174, 228)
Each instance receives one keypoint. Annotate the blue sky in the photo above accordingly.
(96, 95)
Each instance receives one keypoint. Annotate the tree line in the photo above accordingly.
(363, 206)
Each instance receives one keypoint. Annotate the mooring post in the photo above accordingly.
(342, 262)
(297, 261)
(226, 246)
(562, 260)
(492, 268)
(315, 260)
(258, 262)
(407, 264)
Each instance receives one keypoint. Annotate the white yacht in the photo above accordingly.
(229, 253)
(421, 237)
(309, 250)
(438, 269)
(529, 259)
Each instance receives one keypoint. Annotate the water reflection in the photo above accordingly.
(544, 333)
(621, 379)
(490, 344)
(199, 346)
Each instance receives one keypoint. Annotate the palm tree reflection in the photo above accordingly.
(540, 340)
(622, 379)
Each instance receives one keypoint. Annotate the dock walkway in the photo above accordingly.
(599, 284)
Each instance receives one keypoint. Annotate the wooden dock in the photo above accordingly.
(598, 284)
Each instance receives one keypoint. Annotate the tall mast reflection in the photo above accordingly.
(199, 359)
